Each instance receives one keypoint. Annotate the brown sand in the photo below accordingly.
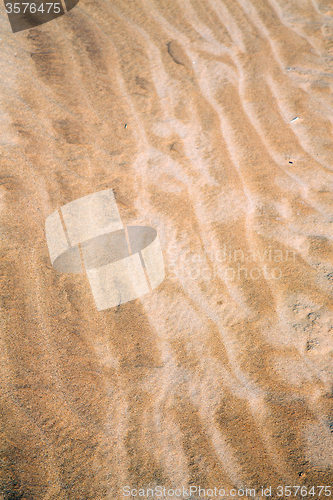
(221, 377)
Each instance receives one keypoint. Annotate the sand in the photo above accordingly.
(211, 121)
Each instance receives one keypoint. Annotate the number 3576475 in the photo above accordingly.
(32, 8)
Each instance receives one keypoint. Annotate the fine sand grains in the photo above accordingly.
(211, 121)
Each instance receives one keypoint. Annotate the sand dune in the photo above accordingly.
(211, 121)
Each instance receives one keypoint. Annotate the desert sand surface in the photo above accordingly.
(211, 121)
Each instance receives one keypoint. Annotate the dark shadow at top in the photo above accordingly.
(70, 4)
(25, 15)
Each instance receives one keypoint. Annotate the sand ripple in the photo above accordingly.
(223, 376)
